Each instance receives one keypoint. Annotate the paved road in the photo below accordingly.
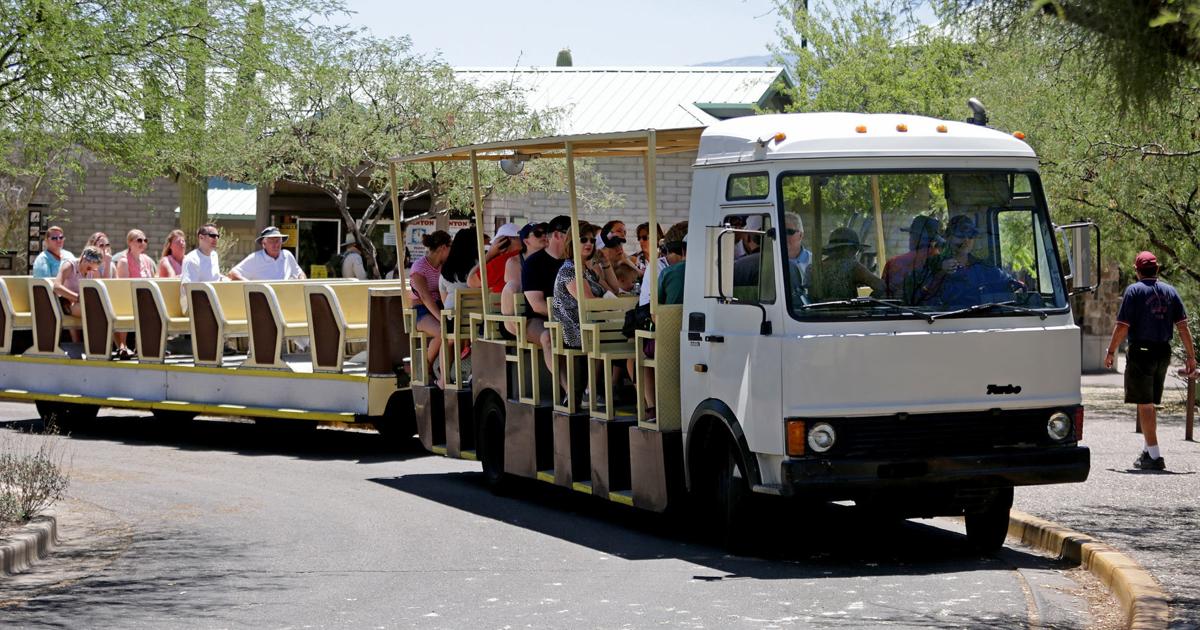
(230, 525)
(1155, 517)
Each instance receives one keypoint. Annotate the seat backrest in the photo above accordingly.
(354, 297)
(290, 296)
(120, 295)
(169, 288)
(18, 292)
(609, 315)
(232, 298)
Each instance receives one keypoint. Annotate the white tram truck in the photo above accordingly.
(874, 310)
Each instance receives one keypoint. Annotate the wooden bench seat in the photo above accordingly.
(49, 320)
(15, 313)
(665, 365)
(277, 311)
(601, 320)
(456, 331)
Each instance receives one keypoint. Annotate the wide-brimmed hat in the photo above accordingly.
(841, 238)
(349, 240)
(271, 232)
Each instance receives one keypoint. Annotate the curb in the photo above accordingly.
(1146, 605)
(27, 544)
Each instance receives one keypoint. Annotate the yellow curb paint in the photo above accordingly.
(1146, 605)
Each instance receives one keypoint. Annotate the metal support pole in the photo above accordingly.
(398, 219)
(651, 166)
(477, 198)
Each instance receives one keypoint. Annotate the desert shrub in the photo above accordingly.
(32, 475)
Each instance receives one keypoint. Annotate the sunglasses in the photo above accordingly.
(538, 233)
(60, 237)
(792, 231)
(643, 237)
(101, 245)
(210, 235)
(587, 240)
(140, 240)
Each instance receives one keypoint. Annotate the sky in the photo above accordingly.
(599, 33)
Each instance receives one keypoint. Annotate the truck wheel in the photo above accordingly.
(397, 426)
(490, 444)
(65, 416)
(730, 495)
(987, 528)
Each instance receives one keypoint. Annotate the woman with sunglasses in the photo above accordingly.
(66, 283)
(170, 262)
(133, 262)
(100, 241)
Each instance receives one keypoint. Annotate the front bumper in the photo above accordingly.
(845, 478)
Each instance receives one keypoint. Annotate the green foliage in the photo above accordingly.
(867, 56)
(1143, 47)
(32, 476)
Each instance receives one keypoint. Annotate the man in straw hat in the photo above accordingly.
(1149, 309)
(352, 260)
(272, 262)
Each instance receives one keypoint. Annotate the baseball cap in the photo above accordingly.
(529, 228)
(508, 229)
(1145, 259)
(926, 229)
(560, 223)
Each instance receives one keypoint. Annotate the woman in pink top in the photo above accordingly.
(66, 284)
(170, 263)
(423, 277)
(135, 263)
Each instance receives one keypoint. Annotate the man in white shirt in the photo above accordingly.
(352, 260)
(272, 262)
(200, 264)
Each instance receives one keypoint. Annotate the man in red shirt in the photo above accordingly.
(505, 245)
(924, 240)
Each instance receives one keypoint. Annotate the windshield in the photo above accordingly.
(914, 244)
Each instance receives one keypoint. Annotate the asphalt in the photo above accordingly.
(1151, 516)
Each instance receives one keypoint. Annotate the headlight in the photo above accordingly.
(1059, 426)
(821, 437)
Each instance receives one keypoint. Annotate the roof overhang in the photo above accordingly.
(588, 145)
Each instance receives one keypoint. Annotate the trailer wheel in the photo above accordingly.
(987, 528)
(397, 426)
(490, 418)
(64, 416)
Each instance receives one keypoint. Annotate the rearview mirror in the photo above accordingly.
(1083, 255)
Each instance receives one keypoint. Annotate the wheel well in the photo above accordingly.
(712, 425)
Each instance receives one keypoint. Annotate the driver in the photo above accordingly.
(956, 277)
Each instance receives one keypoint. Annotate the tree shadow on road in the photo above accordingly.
(297, 439)
(797, 541)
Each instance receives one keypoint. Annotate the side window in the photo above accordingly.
(743, 186)
(1018, 248)
(754, 264)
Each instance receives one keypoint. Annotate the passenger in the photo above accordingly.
(272, 262)
(141, 265)
(201, 264)
(537, 282)
(610, 256)
(841, 272)
(566, 294)
(66, 283)
(505, 246)
(463, 257)
(424, 277)
(799, 255)
(647, 247)
(924, 240)
(670, 291)
(100, 241)
(170, 264)
(47, 263)
(737, 222)
(957, 278)
(533, 240)
(352, 260)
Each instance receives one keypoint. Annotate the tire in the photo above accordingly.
(65, 416)
(397, 425)
(988, 528)
(489, 444)
(723, 498)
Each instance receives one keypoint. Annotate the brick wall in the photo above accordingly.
(624, 176)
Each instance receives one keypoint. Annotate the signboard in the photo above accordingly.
(417, 230)
(37, 215)
(318, 271)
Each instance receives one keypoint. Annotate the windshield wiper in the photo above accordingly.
(861, 301)
(1010, 305)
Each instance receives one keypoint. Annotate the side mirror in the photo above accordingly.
(1083, 255)
(721, 242)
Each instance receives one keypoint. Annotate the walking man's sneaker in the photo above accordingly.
(1145, 462)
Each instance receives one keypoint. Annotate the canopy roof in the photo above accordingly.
(622, 143)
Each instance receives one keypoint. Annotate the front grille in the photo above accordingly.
(932, 435)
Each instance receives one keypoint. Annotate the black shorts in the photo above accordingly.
(1146, 371)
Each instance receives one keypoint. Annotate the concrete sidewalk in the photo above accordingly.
(1152, 516)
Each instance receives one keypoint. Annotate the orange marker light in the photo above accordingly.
(1018, 135)
(941, 128)
(902, 127)
(796, 437)
(780, 137)
(861, 129)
